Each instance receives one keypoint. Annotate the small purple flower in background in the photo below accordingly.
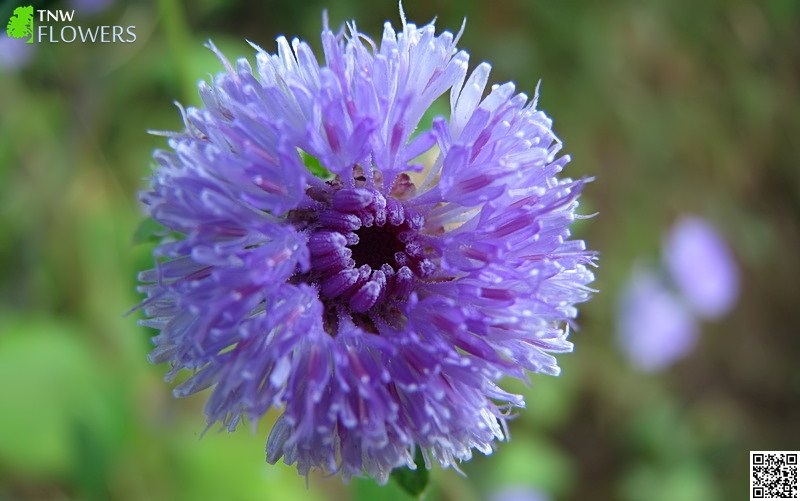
(702, 266)
(519, 493)
(657, 324)
(312, 275)
(87, 7)
(14, 54)
(655, 327)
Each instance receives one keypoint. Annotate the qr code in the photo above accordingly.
(773, 475)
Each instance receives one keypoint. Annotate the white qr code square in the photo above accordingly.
(773, 475)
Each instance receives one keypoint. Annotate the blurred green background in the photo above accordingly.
(674, 106)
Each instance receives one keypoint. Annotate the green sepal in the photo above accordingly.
(315, 167)
(413, 482)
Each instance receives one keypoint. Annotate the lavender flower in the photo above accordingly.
(376, 312)
(519, 493)
(702, 266)
(87, 7)
(14, 54)
(657, 321)
(655, 327)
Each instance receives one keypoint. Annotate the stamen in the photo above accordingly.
(366, 253)
(351, 200)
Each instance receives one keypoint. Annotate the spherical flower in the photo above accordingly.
(378, 311)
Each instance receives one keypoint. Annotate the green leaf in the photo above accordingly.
(55, 375)
(149, 230)
(439, 108)
(413, 482)
(315, 167)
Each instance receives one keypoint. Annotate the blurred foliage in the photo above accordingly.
(673, 106)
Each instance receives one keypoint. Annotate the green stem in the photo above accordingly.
(179, 42)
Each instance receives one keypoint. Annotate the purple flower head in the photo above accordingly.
(702, 266)
(655, 328)
(376, 312)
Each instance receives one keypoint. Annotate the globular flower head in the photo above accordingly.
(378, 312)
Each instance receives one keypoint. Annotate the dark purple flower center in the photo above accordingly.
(366, 253)
(377, 245)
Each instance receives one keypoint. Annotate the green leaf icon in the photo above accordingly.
(21, 23)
